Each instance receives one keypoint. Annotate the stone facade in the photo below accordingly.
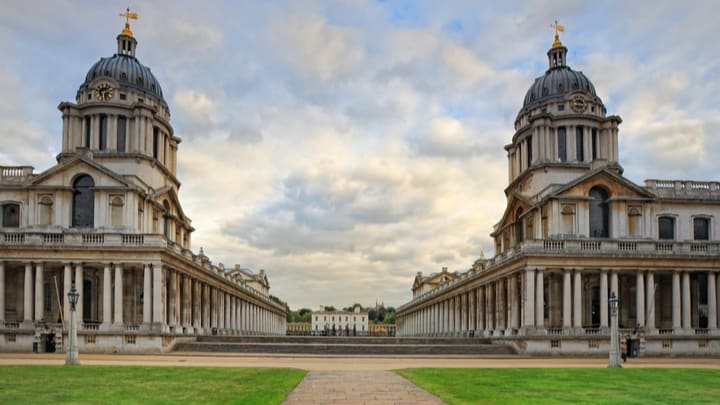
(107, 217)
(574, 232)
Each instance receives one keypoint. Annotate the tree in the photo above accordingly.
(389, 318)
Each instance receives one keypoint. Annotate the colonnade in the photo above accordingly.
(156, 298)
(526, 303)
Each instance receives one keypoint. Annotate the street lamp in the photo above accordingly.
(72, 350)
(614, 360)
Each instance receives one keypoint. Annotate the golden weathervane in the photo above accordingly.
(558, 28)
(128, 15)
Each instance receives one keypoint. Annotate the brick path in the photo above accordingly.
(358, 387)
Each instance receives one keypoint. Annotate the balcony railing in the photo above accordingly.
(610, 247)
(71, 239)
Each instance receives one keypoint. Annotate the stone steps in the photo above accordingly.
(343, 346)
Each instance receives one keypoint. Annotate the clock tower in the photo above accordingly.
(120, 118)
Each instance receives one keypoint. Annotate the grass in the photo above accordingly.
(146, 385)
(555, 386)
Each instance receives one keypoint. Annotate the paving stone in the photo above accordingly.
(358, 387)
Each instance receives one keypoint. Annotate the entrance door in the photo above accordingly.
(595, 306)
(87, 301)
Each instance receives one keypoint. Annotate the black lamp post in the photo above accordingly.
(614, 360)
(72, 350)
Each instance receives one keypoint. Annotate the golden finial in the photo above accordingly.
(558, 28)
(128, 15)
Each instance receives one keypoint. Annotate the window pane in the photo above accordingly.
(562, 144)
(579, 145)
(666, 228)
(701, 229)
(121, 130)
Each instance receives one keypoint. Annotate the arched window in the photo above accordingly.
(599, 213)
(519, 226)
(83, 208)
(10, 215)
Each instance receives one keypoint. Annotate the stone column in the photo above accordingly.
(712, 301)
(2, 291)
(567, 299)
(197, 306)
(540, 301)
(650, 301)
(67, 283)
(686, 319)
(178, 302)
(107, 297)
(640, 298)
(158, 296)
(604, 299)
(205, 290)
(472, 310)
(528, 299)
(39, 292)
(79, 286)
(490, 308)
(577, 302)
(514, 303)
(28, 294)
(499, 304)
(676, 305)
(118, 321)
(147, 296)
(227, 311)
(481, 308)
(188, 306)
(614, 284)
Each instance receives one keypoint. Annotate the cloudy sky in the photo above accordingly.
(345, 145)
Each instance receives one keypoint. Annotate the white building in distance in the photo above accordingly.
(340, 323)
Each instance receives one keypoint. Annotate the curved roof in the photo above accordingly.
(557, 81)
(127, 71)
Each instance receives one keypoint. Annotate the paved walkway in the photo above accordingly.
(358, 387)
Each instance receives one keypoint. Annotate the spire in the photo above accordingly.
(128, 15)
(558, 28)
(126, 41)
(558, 52)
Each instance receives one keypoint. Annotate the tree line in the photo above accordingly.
(379, 314)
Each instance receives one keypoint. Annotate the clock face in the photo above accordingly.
(578, 105)
(103, 92)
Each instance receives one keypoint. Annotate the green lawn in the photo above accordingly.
(554, 386)
(146, 385)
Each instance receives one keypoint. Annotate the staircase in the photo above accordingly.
(321, 345)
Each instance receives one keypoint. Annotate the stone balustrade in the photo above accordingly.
(15, 174)
(683, 188)
(613, 247)
(71, 239)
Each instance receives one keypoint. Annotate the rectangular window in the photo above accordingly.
(156, 134)
(594, 144)
(121, 132)
(579, 144)
(562, 144)
(47, 296)
(88, 131)
(11, 215)
(701, 229)
(666, 228)
(103, 132)
(529, 151)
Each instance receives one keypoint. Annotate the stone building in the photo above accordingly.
(107, 217)
(574, 231)
(340, 323)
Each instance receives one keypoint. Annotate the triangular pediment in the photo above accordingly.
(63, 174)
(169, 194)
(617, 186)
(516, 201)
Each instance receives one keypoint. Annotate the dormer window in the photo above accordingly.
(561, 107)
